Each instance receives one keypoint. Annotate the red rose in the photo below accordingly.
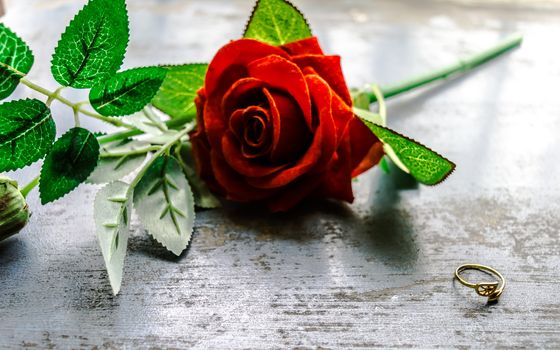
(275, 125)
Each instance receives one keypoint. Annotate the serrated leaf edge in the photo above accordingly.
(114, 228)
(74, 19)
(22, 75)
(289, 3)
(157, 239)
(46, 120)
(453, 165)
(67, 193)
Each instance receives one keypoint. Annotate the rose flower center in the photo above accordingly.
(269, 126)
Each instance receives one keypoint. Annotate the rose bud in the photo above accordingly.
(14, 212)
(275, 125)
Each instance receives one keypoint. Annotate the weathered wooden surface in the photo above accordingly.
(374, 274)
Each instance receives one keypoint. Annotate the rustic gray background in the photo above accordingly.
(330, 276)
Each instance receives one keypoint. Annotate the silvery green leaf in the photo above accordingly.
(162, 138)
(203, 198)
(371, 117)
(124, 146)
(165, 204)
(112, 217)
(110, 169)
(149, 122)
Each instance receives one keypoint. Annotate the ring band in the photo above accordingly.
(492, 290)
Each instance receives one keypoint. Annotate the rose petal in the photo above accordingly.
(215, 123)
(231, 149)
(236, 189)
(200, 101)
(279, 73)
(372, 158)
(309, 46)
(337, 183)
(328, 68)
(293, 194)
(290, 134)
(233, 58)
(366, 149)
(236, 124)
(342, 115)
(203, 166)
(237, 119)
(322, 148)
(243, 93)
(255, 130)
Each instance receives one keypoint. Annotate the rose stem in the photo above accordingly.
(462, 66)
(77, 107)
(172, 123)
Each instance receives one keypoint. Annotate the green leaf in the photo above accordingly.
(112, 217)
(92, 48)
(203, 198)
(127, 92)
(360, 99)
(165, 204)
(70, 162)
(384, 165)
(277, 22)
(27, 132)
(16, 60)
(425, 165)
(178, 91)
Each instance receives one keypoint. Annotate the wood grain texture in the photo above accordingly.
(374, 274)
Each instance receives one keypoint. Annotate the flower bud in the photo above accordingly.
(14, 212)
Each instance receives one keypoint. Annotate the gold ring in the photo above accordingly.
(492, 290)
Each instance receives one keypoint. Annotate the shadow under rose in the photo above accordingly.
(386, 231)
(382, 231)
(298, 224)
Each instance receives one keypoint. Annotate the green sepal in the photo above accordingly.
(27, 131)
(92, 47)
(127, 92)
(72, 159)
(178, 91)
(16, 60)
(427, 166)
(277, 22)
